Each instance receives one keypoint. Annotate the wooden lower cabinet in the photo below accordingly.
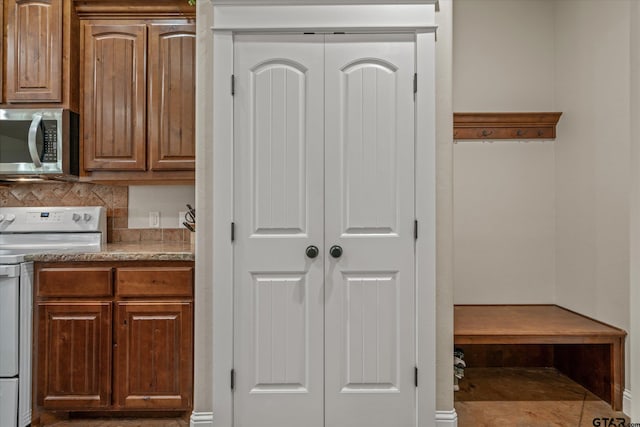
(152, 355)
(74, 355)
(113, 337)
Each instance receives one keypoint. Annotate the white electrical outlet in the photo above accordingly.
(154, 219)
(181, 219)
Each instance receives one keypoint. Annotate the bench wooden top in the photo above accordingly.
(546, 322)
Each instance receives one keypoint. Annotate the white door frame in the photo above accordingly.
(214, 266)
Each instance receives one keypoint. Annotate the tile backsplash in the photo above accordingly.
(114, 197)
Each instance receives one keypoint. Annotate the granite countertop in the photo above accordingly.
(136, 251)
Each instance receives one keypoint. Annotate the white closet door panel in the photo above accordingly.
(280, 311)
(369, 212)
(278, 291)
(369, 157)
(370, 313)
(279, 145)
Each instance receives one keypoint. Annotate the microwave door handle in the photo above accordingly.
(33, 131)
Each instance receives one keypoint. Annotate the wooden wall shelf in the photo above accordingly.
(490, 126)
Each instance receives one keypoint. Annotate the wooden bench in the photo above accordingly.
(586, 350)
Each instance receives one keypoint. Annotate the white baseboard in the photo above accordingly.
(626, 402)
(446, 418)
(443, 419)
(202, 419)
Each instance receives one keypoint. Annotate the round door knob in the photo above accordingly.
(335, 251)
(312, 251)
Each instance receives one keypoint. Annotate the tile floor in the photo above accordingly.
(527, 397)
(488, 397)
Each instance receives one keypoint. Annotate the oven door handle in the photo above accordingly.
(33, 132)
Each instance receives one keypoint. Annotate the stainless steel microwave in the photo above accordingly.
(39, 143)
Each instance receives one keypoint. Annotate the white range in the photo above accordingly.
(26, 231)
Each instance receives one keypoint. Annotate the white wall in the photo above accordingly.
(203, 313)
(503, 191)
(504, 222)
(633, 342)
(503, 55)
(592, 158)
(444, 208)
(168, 200)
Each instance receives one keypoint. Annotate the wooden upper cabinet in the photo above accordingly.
(153, 356)
(114, 96)
(138, 100)
(171, 98)
(74, 355)
(34, 51)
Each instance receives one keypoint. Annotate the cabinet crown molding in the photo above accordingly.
(141, 9)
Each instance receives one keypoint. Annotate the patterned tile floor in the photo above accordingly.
(527, 397)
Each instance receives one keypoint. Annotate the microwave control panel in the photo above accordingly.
(50, 151)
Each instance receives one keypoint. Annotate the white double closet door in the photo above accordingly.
(324, 156)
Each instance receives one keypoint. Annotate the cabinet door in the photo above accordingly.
(113, 98)
(171, 106)
(74, 355)
(153, 355)
(34, 50)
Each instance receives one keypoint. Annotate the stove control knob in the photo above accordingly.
(75, 217)
(87, 217)
(10, 218)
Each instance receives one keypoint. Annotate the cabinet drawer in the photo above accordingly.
(154, 281)
(75, 282)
